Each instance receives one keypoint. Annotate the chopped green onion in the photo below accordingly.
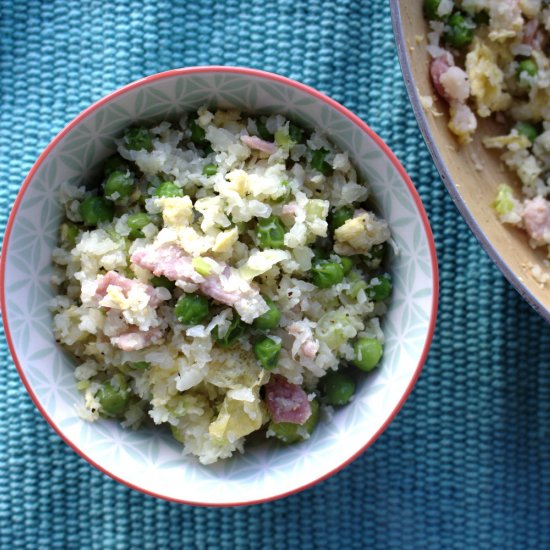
(201, 266)
(319, 163)
(504, 201)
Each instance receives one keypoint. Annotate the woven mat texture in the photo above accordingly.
(466, 463)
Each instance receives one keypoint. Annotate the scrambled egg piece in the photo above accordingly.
(192, 242)
(176, 211)
(486, 80)
(262, 261)
(516, 141)
(225, 240)
(213, 214)
(238, 418)
(236, 181)
(359, 234)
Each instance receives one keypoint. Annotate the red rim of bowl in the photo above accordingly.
(268, 76)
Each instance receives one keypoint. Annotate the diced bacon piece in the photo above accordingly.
(112, 278)
(439, 66)
(529, 31)
(286, 402)
(304, 341)
(213, 287)
(231, 289)
(135, 339)
(228, 287)
(533, 35)
(168, 260)
(451, 83)
(255, 142)
(224, 293)
(536, 218)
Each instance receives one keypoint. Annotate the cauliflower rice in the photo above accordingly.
(491, 58)
(170, 276)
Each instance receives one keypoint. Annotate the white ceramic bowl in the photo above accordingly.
(150, 460)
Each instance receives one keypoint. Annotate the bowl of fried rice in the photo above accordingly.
(218, 285)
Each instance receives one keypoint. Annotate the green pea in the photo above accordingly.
(295, 133)
(267, 353)
(115, 163)
(375, 256)
(210, 170)
(140, 365)
(340, 216)
(339, 388)
(270, 232)
(139, 220)
(430, 9)
(113, 401)
(325, 274)
(290, 433)
(120, 184)
(528, 130)
(234, 332)
(320, 254)
(95, 210)
(136, 222)
(68, 234)
(319, 163)
(347, 264)
(191, 309)
(137, 139)
(460, 31)
(168, 189)
(368, 352)
(198, 135)
(526, 67)
(163, 282)
(379, 288)
(270, 319)
(263, 132)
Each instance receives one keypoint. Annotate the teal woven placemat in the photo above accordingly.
(465, 465)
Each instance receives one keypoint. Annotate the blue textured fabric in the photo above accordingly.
(466, 464)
